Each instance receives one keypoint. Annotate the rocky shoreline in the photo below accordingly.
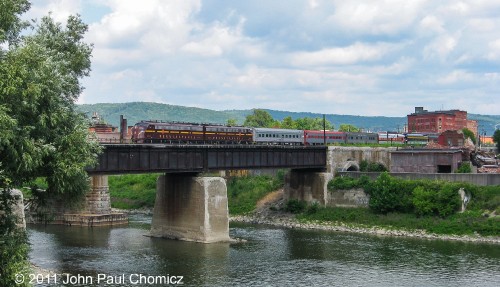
(288, 221)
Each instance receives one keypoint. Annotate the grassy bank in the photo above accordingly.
(139, 191)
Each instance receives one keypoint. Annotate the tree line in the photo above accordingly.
(263, 119)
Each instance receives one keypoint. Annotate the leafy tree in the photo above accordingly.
(468, 134)
(42, 134)
(312, 124)
(496, 139)
(232, 122)
(288, 123)
(259, 119)
(348, 128)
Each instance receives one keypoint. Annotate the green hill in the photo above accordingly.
(137, 111)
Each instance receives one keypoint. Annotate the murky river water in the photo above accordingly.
(123, 256)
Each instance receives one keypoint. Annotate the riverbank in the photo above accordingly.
(271, 211)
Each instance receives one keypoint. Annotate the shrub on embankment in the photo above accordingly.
(139, 191)
(416, 204)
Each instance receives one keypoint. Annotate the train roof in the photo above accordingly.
(321, 131)
(276, 130)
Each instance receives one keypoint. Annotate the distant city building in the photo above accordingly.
(423, 121)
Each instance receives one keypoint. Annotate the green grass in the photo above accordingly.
(466, 223)
(139, 191)
(244, 192)
(132, 191)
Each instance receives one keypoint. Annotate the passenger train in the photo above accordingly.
(194, 133)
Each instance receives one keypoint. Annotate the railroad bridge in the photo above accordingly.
(193, 207)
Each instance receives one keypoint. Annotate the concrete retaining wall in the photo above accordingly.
(477, 179)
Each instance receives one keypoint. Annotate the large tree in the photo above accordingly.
(312, 124)
(259, 119)
(348, 128)
(42, 133)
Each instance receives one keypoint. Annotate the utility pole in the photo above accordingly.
(324, 130)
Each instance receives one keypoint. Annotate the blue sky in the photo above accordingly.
(363, 57)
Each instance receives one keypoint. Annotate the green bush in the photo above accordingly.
(367, 166)
(483, 197)
(388, 194)
(313, 208)
(347, 182)
(295, 206)
(443, 201)
(464, 168)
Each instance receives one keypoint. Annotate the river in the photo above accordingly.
(123, 256)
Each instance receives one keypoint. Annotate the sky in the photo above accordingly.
(363, 57)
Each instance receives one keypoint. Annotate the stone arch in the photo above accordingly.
(351, 165)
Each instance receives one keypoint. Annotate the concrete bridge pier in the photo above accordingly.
(191, 208)
(307, 186)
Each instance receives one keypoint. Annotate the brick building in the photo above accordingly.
(423, 121)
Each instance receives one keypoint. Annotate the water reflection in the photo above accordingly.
(272, 256)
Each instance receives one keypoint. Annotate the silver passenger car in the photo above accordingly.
(278, 136)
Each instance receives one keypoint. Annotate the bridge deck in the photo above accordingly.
(123, 158)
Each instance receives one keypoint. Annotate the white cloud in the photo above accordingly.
(441, 47)
(494, 50)
(457, 76)
(431, 23)
(376, 17)
(353, 54)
